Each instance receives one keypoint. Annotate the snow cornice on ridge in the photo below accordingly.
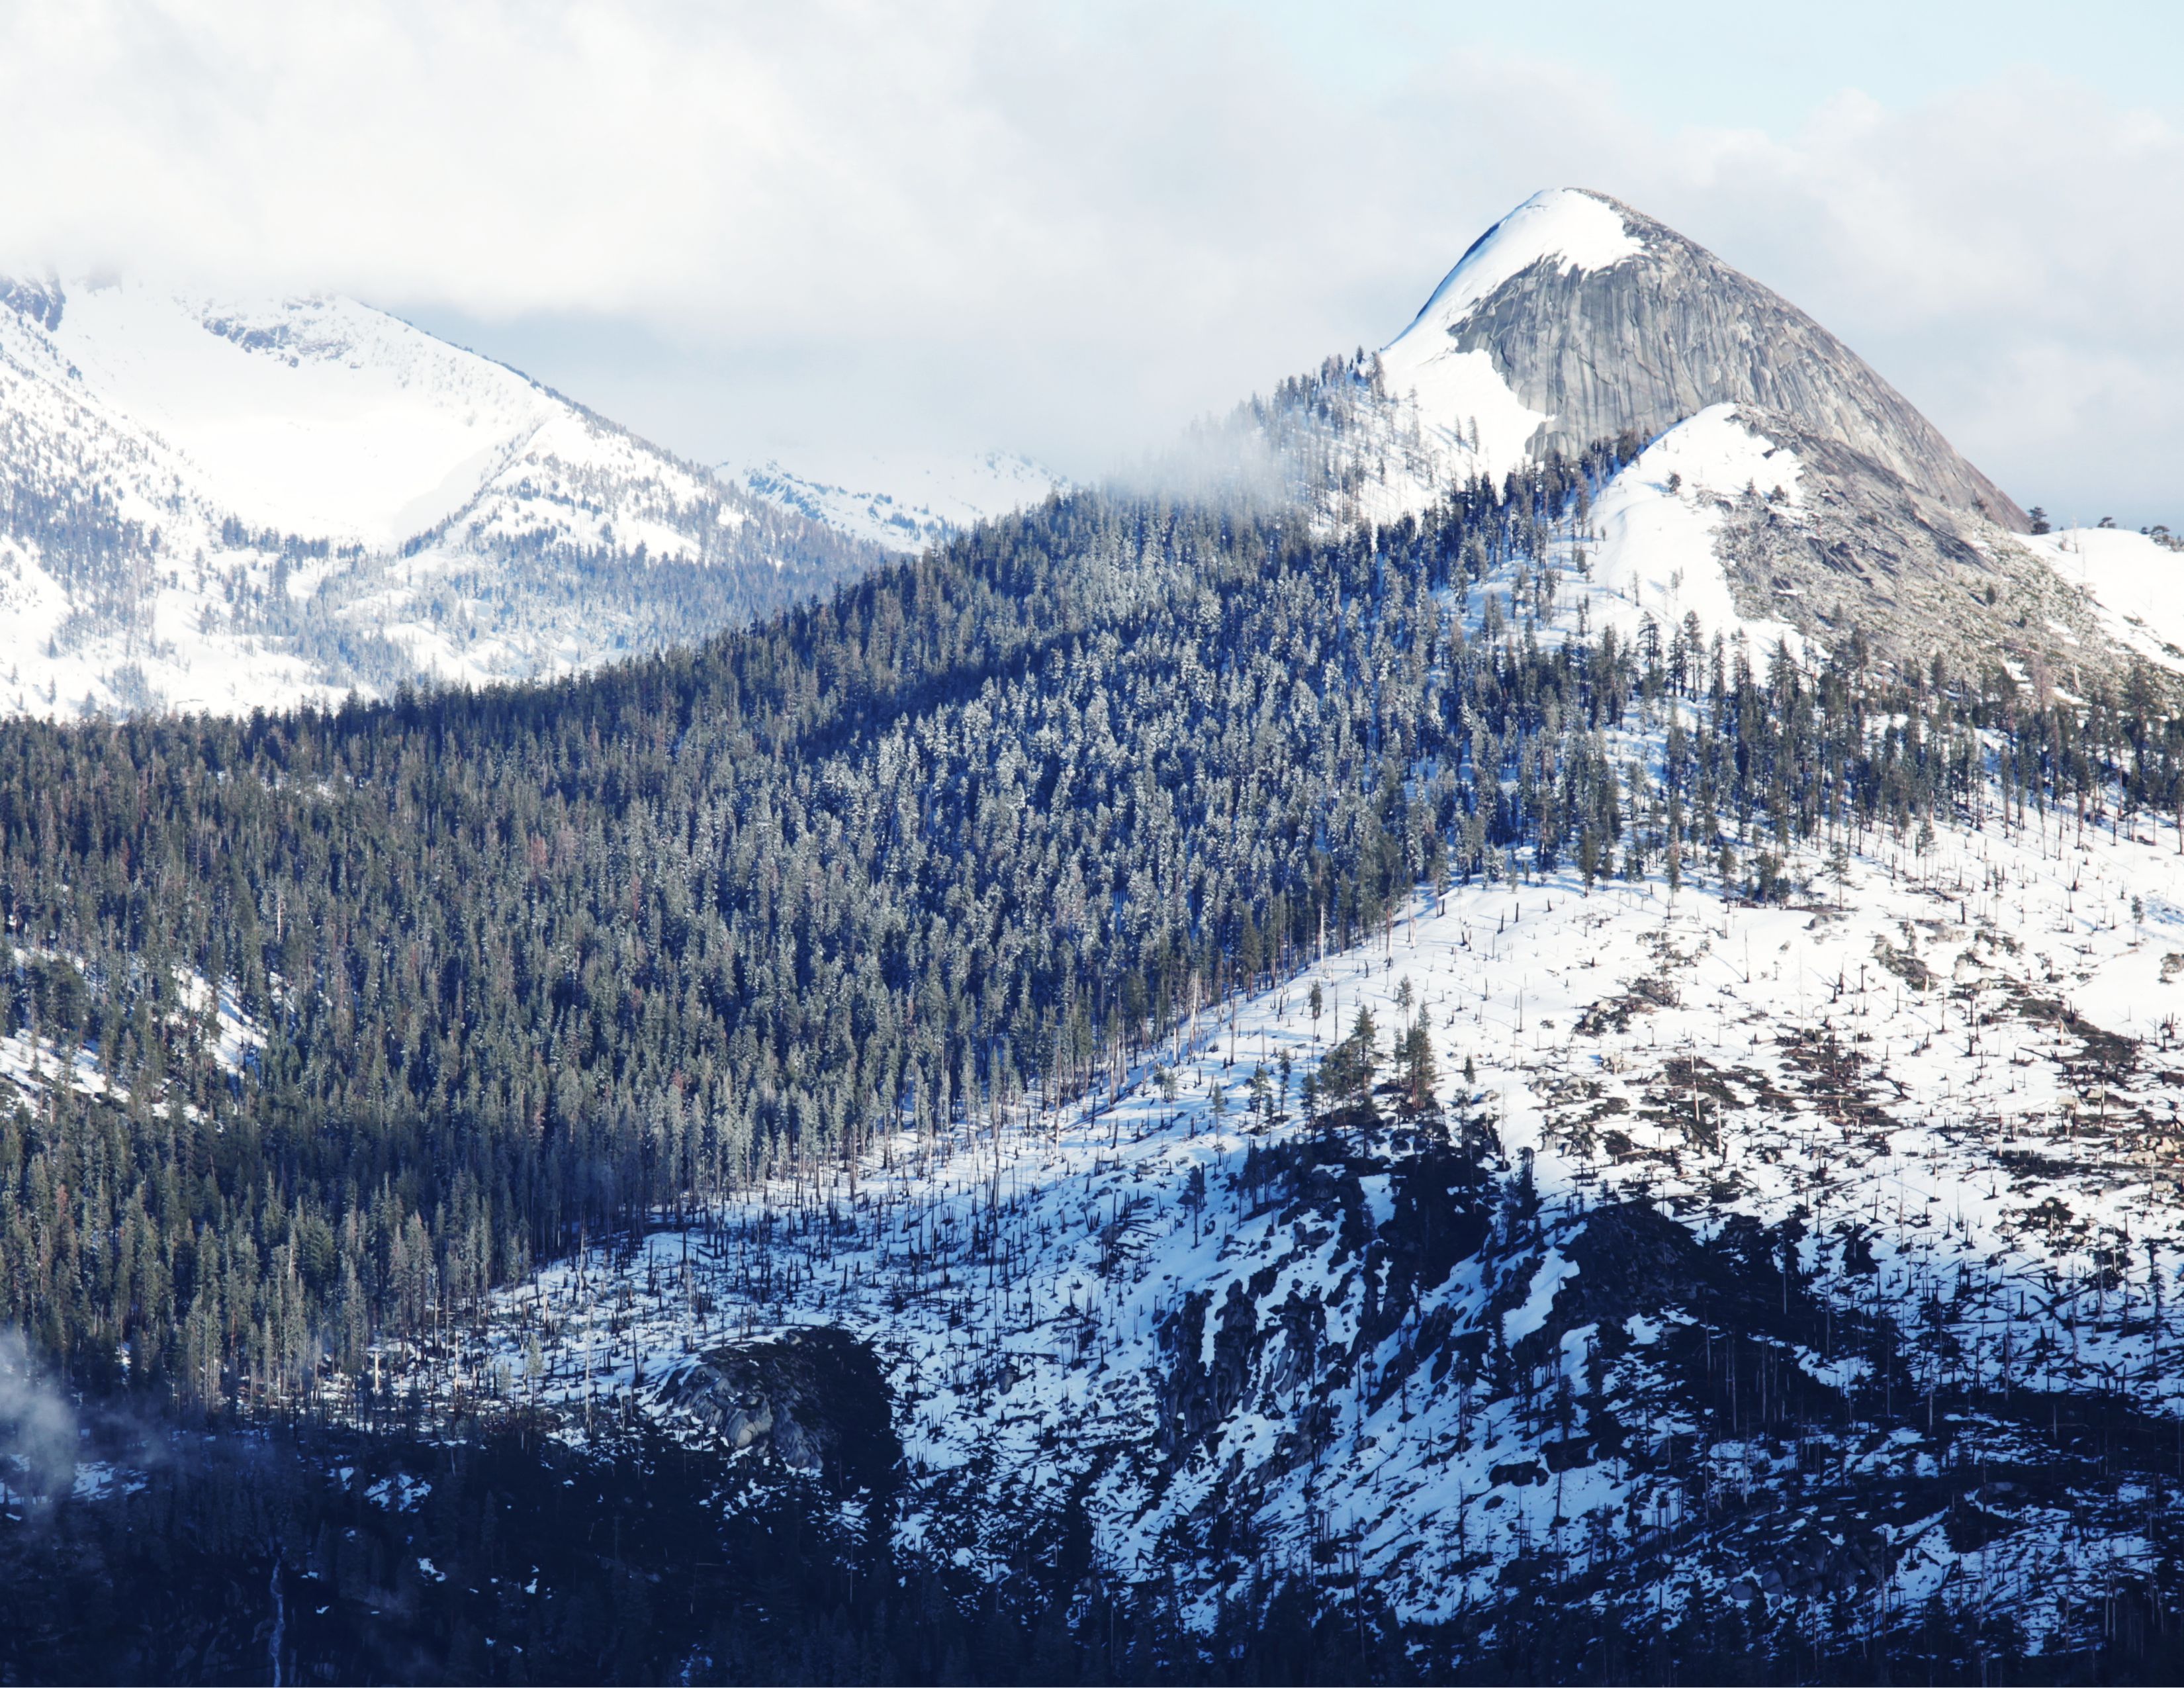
(1571, 227)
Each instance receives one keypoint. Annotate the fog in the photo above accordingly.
(37, 1427)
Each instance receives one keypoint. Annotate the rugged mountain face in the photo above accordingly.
(1602, 321)
(223, 505)
(1754, 520)
(1784, 489)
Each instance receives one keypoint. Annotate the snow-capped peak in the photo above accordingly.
(1463, 399)
(223, 504)
(1568, 227)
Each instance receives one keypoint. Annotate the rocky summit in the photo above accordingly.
(1605, 322)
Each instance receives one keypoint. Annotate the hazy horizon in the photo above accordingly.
(1068, 233)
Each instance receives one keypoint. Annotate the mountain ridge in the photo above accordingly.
(1604, 321)
(235, 505)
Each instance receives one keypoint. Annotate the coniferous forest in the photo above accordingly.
(533, 964)
(354, 1017)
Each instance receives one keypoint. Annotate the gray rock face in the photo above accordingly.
(1869, 551)
(1642, 343)
(813, 1401)
(42, 302)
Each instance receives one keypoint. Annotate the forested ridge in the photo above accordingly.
(534, 964)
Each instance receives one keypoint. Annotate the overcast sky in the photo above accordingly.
(815, 230)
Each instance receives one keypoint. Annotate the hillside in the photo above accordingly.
(991, 1152)
(1784, 1227)
(1573, 1081)
(1809, 1262)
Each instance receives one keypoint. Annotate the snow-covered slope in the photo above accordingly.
(1657, 526)
(901, 502)
(1765, 1255)
(313, 416)
(224, 504)
(1744, 517)
(1815, 1255)
(2136, 582)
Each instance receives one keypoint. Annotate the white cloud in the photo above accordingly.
(1066, 228)
(2005, 254)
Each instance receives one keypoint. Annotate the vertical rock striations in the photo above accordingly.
(1658, 331)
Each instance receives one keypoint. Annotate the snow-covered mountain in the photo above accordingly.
(1777, 478)
(1783, 1253)
(1786, 1252)
(1575, 318)
(1801, 1253)
(900, 502)
(230, 504)
(1762, 1241)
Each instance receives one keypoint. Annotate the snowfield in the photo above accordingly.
(317, 416)
(2136, 583)
(1566, 226)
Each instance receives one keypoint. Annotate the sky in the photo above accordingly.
(826, 230)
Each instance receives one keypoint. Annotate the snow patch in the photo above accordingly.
(1658, 520)
(1565, 226)
(2136, 584)
(401, 1493)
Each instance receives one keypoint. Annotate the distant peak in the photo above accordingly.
(1573, 227)
(40, 302)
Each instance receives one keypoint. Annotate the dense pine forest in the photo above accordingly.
(346, 1018)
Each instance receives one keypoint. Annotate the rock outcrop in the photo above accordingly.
(1865, 551)
(813, 1401)
(1663, 329)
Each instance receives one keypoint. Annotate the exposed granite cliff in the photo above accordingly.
(1660, 330)
(1867, 550)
